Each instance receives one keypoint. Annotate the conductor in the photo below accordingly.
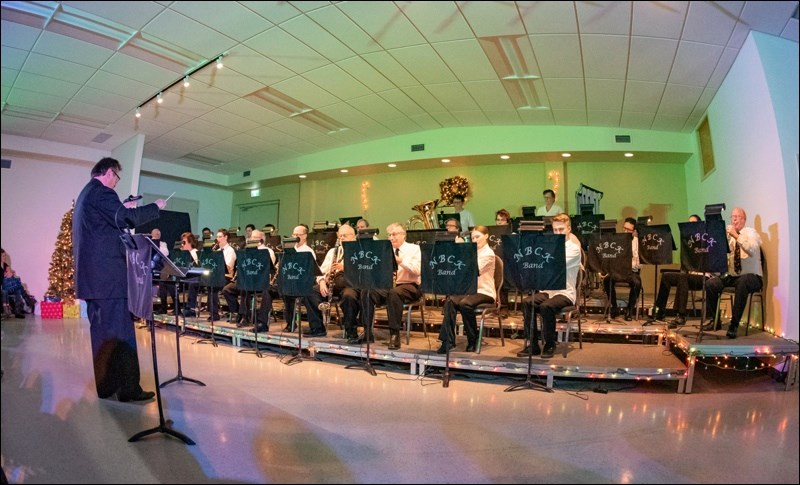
(101, 279)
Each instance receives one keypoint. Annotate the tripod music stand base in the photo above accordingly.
(528, 384)
(366, 366)
(161, 429)
(255, 350)
(181, 378)
(299, 356)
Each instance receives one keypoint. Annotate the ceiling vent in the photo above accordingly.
(622, 138)
(201, 160)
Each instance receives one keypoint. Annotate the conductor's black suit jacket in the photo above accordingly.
(98, 221)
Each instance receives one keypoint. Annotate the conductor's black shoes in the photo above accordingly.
(142, 395)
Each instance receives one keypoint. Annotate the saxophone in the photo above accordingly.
(325, 306)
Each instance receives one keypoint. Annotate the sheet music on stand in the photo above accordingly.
(423, 236)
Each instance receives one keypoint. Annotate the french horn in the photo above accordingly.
(426, 215)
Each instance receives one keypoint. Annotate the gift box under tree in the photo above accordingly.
(52, 309)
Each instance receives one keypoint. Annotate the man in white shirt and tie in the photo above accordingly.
(406, 290)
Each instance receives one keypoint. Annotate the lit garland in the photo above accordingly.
(451, 187)
(62, 264)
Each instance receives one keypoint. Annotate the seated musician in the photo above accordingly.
(229, 253)
(549, 303)
(333, 283)
(406, 290)
(633, 280)
(454, 226)
(166, 289)
(466, 304)
(264, 310)
(301, 233)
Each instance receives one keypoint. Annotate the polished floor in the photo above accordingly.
(262, 421)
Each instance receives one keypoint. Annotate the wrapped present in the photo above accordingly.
(52, 309)
(72, 310)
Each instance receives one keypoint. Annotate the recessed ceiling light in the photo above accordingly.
(629, 154)
(445, 160)
(302, 176)
(344, 170)
(505, 157)
(566, 155)
(392, 165)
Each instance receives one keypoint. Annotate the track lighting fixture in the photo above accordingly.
(159, 96)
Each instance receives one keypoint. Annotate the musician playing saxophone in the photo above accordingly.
(333, 283)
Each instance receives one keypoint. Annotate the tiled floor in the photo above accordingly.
(261, 421)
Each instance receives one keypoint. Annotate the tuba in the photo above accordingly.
(426, 216)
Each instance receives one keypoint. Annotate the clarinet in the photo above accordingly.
(325, 306)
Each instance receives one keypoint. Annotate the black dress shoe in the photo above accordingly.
(213, 318)
(679, 321)
(527, 350)
(261, 327)
(709, 327)
(628, 317)
(394, 341)
(548, 351)
(614, 312)
(362, 339)
(141, 396)
(287, 328)
(470, 348)
(315, 333)
(444, 348)
(188, 312)
(732, 331)
(352, 340)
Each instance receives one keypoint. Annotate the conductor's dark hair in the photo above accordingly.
(104, 164)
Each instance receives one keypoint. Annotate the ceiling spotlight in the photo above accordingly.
(186, 82)
(505, 157)
(344, 170)
(445, 160)
(566, 155)
(302, 176)
(392, 165)
(629, 155)
(138, 112)
(159, 98)
(219, 62)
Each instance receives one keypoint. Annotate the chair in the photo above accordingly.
(485, 309)
(730, 291)
(408, 308)
(570, 312)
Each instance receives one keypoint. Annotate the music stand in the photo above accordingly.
(179, 274)
(610, 253)
(534, 261)
(139, 294)
(655, 249)
(253, 269)
(296, 279)
(449, 268)
(214, 263)
(704, 248)
(370, 265)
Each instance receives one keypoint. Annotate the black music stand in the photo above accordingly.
(704, 248)
(296, 279)
(534, 261)
(179, 274)
(183, 259)
(369, 266)
(140, 303)
(610, 253)
(449, 268)
(214, 263)
(655, 247)
(253, 269)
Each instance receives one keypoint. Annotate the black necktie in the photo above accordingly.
(737, 258)
(397, 252)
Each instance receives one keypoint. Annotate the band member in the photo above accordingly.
(262, 319)
(229, 254)
(333, 283)
(301, 233)
(549, 303)
(633, 280)
(406, 290)
(466, 304)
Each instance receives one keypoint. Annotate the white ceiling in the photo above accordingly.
(302, 77)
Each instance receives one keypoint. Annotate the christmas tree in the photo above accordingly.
(62, 264)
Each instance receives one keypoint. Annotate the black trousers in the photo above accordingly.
(465, 304)
(394, 299)
(114, 353)
(683, 282)
(744, 284)
(548, 308)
